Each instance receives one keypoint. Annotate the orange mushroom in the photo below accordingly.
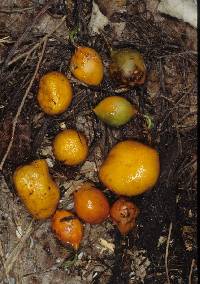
(90, 204)
(67, 228)
(124, 214)
(86, 65)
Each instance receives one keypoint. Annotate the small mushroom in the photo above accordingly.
(90, 204)
(67, 228)
(127, 67)
(124, 214)
(36, 188)
(86, 65)
(115, 111)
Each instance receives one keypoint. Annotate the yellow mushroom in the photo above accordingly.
(36, 188)
(115, 111)
(86, 65)
(55, 93)
(131, 168)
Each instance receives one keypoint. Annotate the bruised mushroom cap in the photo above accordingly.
(127, 67)
(86, 65)
(67, 228)
(124, 214)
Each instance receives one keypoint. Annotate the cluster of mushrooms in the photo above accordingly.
(130, 168)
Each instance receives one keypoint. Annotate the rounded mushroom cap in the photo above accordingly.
(124, 214)
(130, 168)
(70, 147)
(67, 228)
(86, 65)
(90, 204)
(55, 93)
(36, 189)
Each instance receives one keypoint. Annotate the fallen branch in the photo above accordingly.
(21, 106)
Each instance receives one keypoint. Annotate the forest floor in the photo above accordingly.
(163, 246)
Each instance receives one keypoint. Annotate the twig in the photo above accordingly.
(191, 270)
(171, 110)
(27, 30)
(189, 164)
(5, 39)
(27, 54)
(10, 260)
(21, 106)
(15, 10)
(194, 52)
(167, 253)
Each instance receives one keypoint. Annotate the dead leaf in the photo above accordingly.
(108, 8)
(97, 21)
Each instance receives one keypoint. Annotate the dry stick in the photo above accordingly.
(15, 10)
(27, 30)
(5, 39)
(191, 270)
(21, 106)
(167, 252)
(27, 53)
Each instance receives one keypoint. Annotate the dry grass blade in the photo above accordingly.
(167, 253)
(16, 10)
(10, 260)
